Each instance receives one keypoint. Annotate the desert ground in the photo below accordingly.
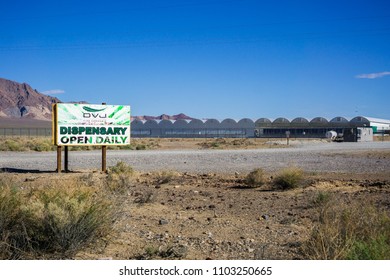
(197, 211)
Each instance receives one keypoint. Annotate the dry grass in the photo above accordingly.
(289, 178)
(255, 178)
(42, 144)
(54, 221)
(167, 176)
(118, 215)
(19, 144)
(348, 230)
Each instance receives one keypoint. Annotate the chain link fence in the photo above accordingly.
(25, 132)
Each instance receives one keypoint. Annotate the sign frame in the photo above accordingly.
(75, 124)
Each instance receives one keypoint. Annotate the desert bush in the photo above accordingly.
(121, 167)
(12, 145)
(51, 222)
(43, 146)
(322, 198)
(375, 249)
(140, 147)
(347, 230)
(255, 178)
(289, 178)
(120, 177)
(144, 196)
(166, 176)
(11, 222)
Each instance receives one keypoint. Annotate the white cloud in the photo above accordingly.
(53, 91)
(373, 75)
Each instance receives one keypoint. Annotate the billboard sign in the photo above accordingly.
(88, 124)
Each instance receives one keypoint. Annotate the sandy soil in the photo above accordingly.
(214, 216)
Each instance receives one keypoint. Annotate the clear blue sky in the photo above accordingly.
(205, 58)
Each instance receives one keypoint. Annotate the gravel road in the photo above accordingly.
(318, 157)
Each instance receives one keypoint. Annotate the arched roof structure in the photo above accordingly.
(362, 121)
(281, 120)
(137, 124)
(246, 123)
(165, 123)
(196, 123)
(228, 123)
(320, 120)
(300, 120)
(183, 124)
(212, 123)
(339, 120)
(151, 124)
(263, 120)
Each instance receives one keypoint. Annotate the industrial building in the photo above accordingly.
(356, 129)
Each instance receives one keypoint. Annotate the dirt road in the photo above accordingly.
(372, 157)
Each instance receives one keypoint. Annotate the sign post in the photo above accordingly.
(104, 159)
(104, 155)
(66, 159)
(59, 163)
(89, 125)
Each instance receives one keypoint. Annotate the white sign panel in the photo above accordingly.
(86, 124)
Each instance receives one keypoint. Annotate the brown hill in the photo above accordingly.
(164, 117)
(20, 101)
(20, 105)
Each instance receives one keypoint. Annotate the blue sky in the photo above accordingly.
(206, 58)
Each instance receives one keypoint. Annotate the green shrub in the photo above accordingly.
(375, 249)
(255, 178)
(289, 178)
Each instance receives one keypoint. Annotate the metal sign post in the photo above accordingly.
(66, 159)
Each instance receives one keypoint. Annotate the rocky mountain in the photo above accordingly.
(20, 100)
(164, 117)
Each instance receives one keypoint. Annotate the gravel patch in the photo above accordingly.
(312, 157)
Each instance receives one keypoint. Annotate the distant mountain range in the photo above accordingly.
(163, 117)
(19, 101)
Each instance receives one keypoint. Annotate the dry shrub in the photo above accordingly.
(19, 144)
(121, 167)
(13, 145)
(289, 178)
(349, 230)
(52, 222)
(255, 178)
(120, 177)
(144, 195)
(167, 176)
